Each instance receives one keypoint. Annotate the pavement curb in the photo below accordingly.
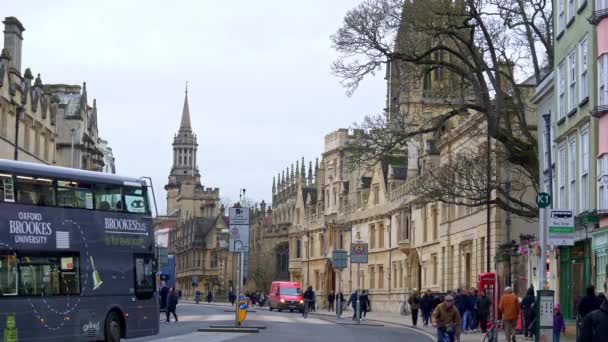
(230, 330)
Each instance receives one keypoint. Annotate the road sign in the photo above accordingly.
(358, 253)
(239, 216)
(242, 310)
(561, 227)
(543, 200)
(239, 238)
(339, 258)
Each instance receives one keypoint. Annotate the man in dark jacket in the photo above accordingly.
(353, 301)
(330, 301)
(164, 292)
(595, 324)
(308, 298)
(426, 306)
(172, 299)
(589, 303)
(529, 312)
(414, 302)
(459, 302)
(482, 305)
(471, 300)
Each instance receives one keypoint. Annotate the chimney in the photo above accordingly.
(13, 38)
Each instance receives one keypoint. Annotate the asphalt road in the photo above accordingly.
(284, 327)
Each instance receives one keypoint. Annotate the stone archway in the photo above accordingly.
(329, 282)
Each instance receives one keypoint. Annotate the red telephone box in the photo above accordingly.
(490, 281)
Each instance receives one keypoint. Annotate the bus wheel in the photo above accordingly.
(113, 327)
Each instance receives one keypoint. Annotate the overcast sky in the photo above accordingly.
(260, 87)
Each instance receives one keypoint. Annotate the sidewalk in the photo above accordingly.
(404, 321)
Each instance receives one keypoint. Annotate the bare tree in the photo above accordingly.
(479, 43)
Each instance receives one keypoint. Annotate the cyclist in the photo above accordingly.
(446, 319)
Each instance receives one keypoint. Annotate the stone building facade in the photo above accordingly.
(56, 123)
(21, 94)
(199, 241)
(414, 242)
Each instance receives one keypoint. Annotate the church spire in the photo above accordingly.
(185, 125)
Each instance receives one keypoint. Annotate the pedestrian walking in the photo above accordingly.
(446, 319)
(469, 321)
(331, 297)
(313, 306)
(164, 292)
(231, 297)
(426, 307)
(172, 299)
(529, 312)
(559, 327)
(197, 296)
(460, 303)
(595, 324)
(365, 303)
(483, 305)
(414, 302)
(509, 308)
(589, 303)
(262, 299)
(209, 297)
(352, 300)
(340, 301)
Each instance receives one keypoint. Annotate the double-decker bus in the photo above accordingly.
(76, 255)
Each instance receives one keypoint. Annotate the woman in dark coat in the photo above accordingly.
(527, 307)
(172, 300)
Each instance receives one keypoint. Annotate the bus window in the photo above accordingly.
(144, 277)
(7, 191)
(136, 200)
(108, 197)
(35, 191)
(8, 275)
(49, 276)
(74, 195)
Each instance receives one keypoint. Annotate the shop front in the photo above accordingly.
(600, 250)
(575, 275)
(576, 265)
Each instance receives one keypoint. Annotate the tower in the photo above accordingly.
(184, 169)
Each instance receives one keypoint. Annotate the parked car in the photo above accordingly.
(285, 295)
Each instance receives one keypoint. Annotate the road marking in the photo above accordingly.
(200, 336)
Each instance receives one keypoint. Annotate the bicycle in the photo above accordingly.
(447, 332)
(306, 308)
(492, 334)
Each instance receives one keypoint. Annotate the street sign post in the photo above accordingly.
(238, 242)
(239, 215)
(359, 255)
(543, 200)
(239, 238)
(339, 259)
(561, 227)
